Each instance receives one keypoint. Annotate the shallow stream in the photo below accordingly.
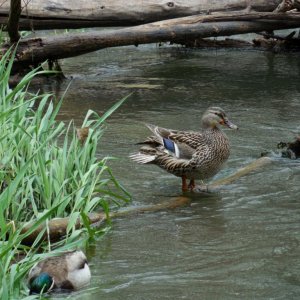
(239, 243)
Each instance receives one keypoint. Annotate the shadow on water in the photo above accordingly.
(239, 243)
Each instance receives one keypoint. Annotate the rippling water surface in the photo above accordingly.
(239, 243)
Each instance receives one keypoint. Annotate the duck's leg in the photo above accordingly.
(192, 184)
(185, 187)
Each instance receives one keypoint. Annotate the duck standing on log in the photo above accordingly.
(188, 154)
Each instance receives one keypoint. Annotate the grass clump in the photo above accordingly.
(45, 172)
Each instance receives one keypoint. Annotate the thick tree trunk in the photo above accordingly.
(63, 46)
(41, 14)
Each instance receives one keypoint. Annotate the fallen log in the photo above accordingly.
(257, 164)
(37, 50)
(47, 14)
(57, 228)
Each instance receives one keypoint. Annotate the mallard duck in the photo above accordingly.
(69, 271)
(188, 154)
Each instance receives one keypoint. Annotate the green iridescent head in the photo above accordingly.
(44, 282)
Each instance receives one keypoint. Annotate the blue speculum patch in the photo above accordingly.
(169, 145)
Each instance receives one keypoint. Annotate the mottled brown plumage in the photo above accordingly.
(187, 154)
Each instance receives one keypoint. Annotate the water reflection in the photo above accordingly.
(239, 243)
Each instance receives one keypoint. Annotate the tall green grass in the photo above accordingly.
(45, 172)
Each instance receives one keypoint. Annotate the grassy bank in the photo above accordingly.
(45, 172)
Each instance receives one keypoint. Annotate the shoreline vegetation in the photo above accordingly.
(47, 172)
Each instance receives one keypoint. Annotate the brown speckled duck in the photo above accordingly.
(188, 154)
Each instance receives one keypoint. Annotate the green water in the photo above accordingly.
(239, 243)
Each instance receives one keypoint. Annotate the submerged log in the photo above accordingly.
(38, 50)
(257, 164)
(47, 14)
(57, 228)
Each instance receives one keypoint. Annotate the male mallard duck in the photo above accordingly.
(69, 271)
(187, 154)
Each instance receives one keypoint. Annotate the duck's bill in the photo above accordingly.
(230, 125)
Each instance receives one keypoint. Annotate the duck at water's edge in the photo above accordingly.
(69, 271)
(187, 154)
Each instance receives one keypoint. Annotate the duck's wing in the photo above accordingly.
(181, 144)
(189, 138)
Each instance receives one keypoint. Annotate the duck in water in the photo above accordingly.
(69, 271)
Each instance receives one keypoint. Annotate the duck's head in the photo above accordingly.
(215, 116)
(41, 283)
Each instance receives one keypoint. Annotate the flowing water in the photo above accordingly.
(241, 242)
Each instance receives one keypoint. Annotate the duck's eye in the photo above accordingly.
(219, 115)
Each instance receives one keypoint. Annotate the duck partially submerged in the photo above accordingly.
(188, 154)
(69, 271)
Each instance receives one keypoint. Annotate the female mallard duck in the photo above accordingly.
(69, 271)
(187, 154)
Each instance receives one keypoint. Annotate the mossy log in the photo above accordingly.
(57, 228)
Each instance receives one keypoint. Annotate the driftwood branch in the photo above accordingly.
(13, 20)
(58, 227)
